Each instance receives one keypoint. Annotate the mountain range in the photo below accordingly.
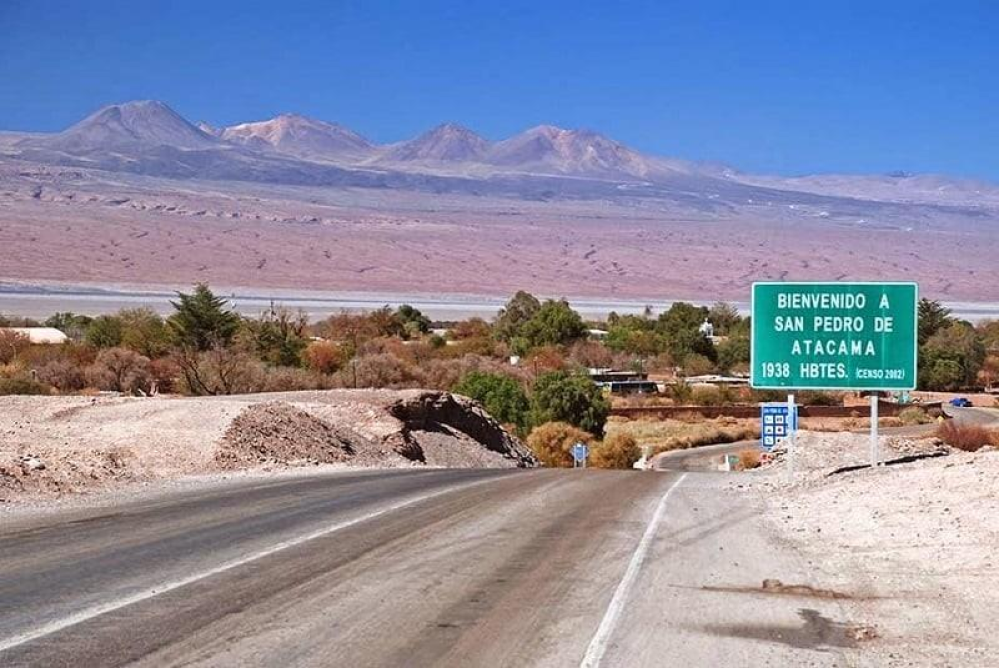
(135, 194)
(148, 137)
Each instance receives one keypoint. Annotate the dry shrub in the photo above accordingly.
(472, 328)
(913, 416)
(41, 354)
(552, 443)
(967, 437)
(64, 374)
(482, 346)
(223, 370)
(586, 353)
(664, 363)
(22, 385)
(12, 344)
(749, 458)
(164, 372)
(120, 369)
(820, 398)
(325, 357)
(281, 379)
(379, 370)
(706, 396)
(619, 451)
(545, 359)
(696, 364)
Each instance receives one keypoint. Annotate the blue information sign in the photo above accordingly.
(775, 424)
(579, 452)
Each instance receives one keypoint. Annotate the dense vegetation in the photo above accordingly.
(526, 366)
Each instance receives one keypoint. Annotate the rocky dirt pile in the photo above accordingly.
(50, 446)
(820, 454)
(279, 433)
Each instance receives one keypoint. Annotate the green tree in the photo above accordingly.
(502, 396)
(144, 332)
(724, 317)
(951, 358)
(641, 342)
(569, 398)
(680, 324)
(414, 322)
(201, 320)
(734, 352)
(931, 317)
(518, 311)
(941, 374)
(278, 337)
(105, 332)
(681, 317)
(72, 325)
(684, 343)
(554, 323)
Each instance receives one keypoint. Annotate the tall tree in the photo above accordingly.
(553, 323)
(569, 398)
(518, 311)
(201, 320)
(931, 317)
(951, 358)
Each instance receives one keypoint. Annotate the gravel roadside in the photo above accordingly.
(915, 544)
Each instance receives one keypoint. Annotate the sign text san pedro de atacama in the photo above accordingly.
(834, 336)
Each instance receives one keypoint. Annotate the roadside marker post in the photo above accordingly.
(580, 452)
(775, 424)
(833, 336)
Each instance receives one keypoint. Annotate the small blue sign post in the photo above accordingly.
(580, 452)
(775, 424)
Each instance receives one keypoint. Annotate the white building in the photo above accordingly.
(41, 335)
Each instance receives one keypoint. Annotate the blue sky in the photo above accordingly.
(769, 87)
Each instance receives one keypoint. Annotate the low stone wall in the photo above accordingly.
(753, 411)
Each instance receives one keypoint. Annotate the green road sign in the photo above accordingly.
(834, 336)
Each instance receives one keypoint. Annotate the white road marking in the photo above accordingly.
(599, 644)
(107, 607)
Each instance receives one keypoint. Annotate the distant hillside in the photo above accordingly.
(148, 137)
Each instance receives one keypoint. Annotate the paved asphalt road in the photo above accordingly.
(403, 568)
(374, 568)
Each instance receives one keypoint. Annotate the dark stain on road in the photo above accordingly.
(817, 632)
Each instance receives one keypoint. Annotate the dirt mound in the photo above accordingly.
(50, 446)
(278, 433)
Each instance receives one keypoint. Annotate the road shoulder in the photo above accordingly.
(717, 591)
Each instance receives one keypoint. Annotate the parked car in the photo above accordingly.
(960, 402)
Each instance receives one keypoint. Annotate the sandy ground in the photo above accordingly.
(91, 227)
(56, 446)
(913, 547)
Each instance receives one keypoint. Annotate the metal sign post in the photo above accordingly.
(792, 425)
(873, 419)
